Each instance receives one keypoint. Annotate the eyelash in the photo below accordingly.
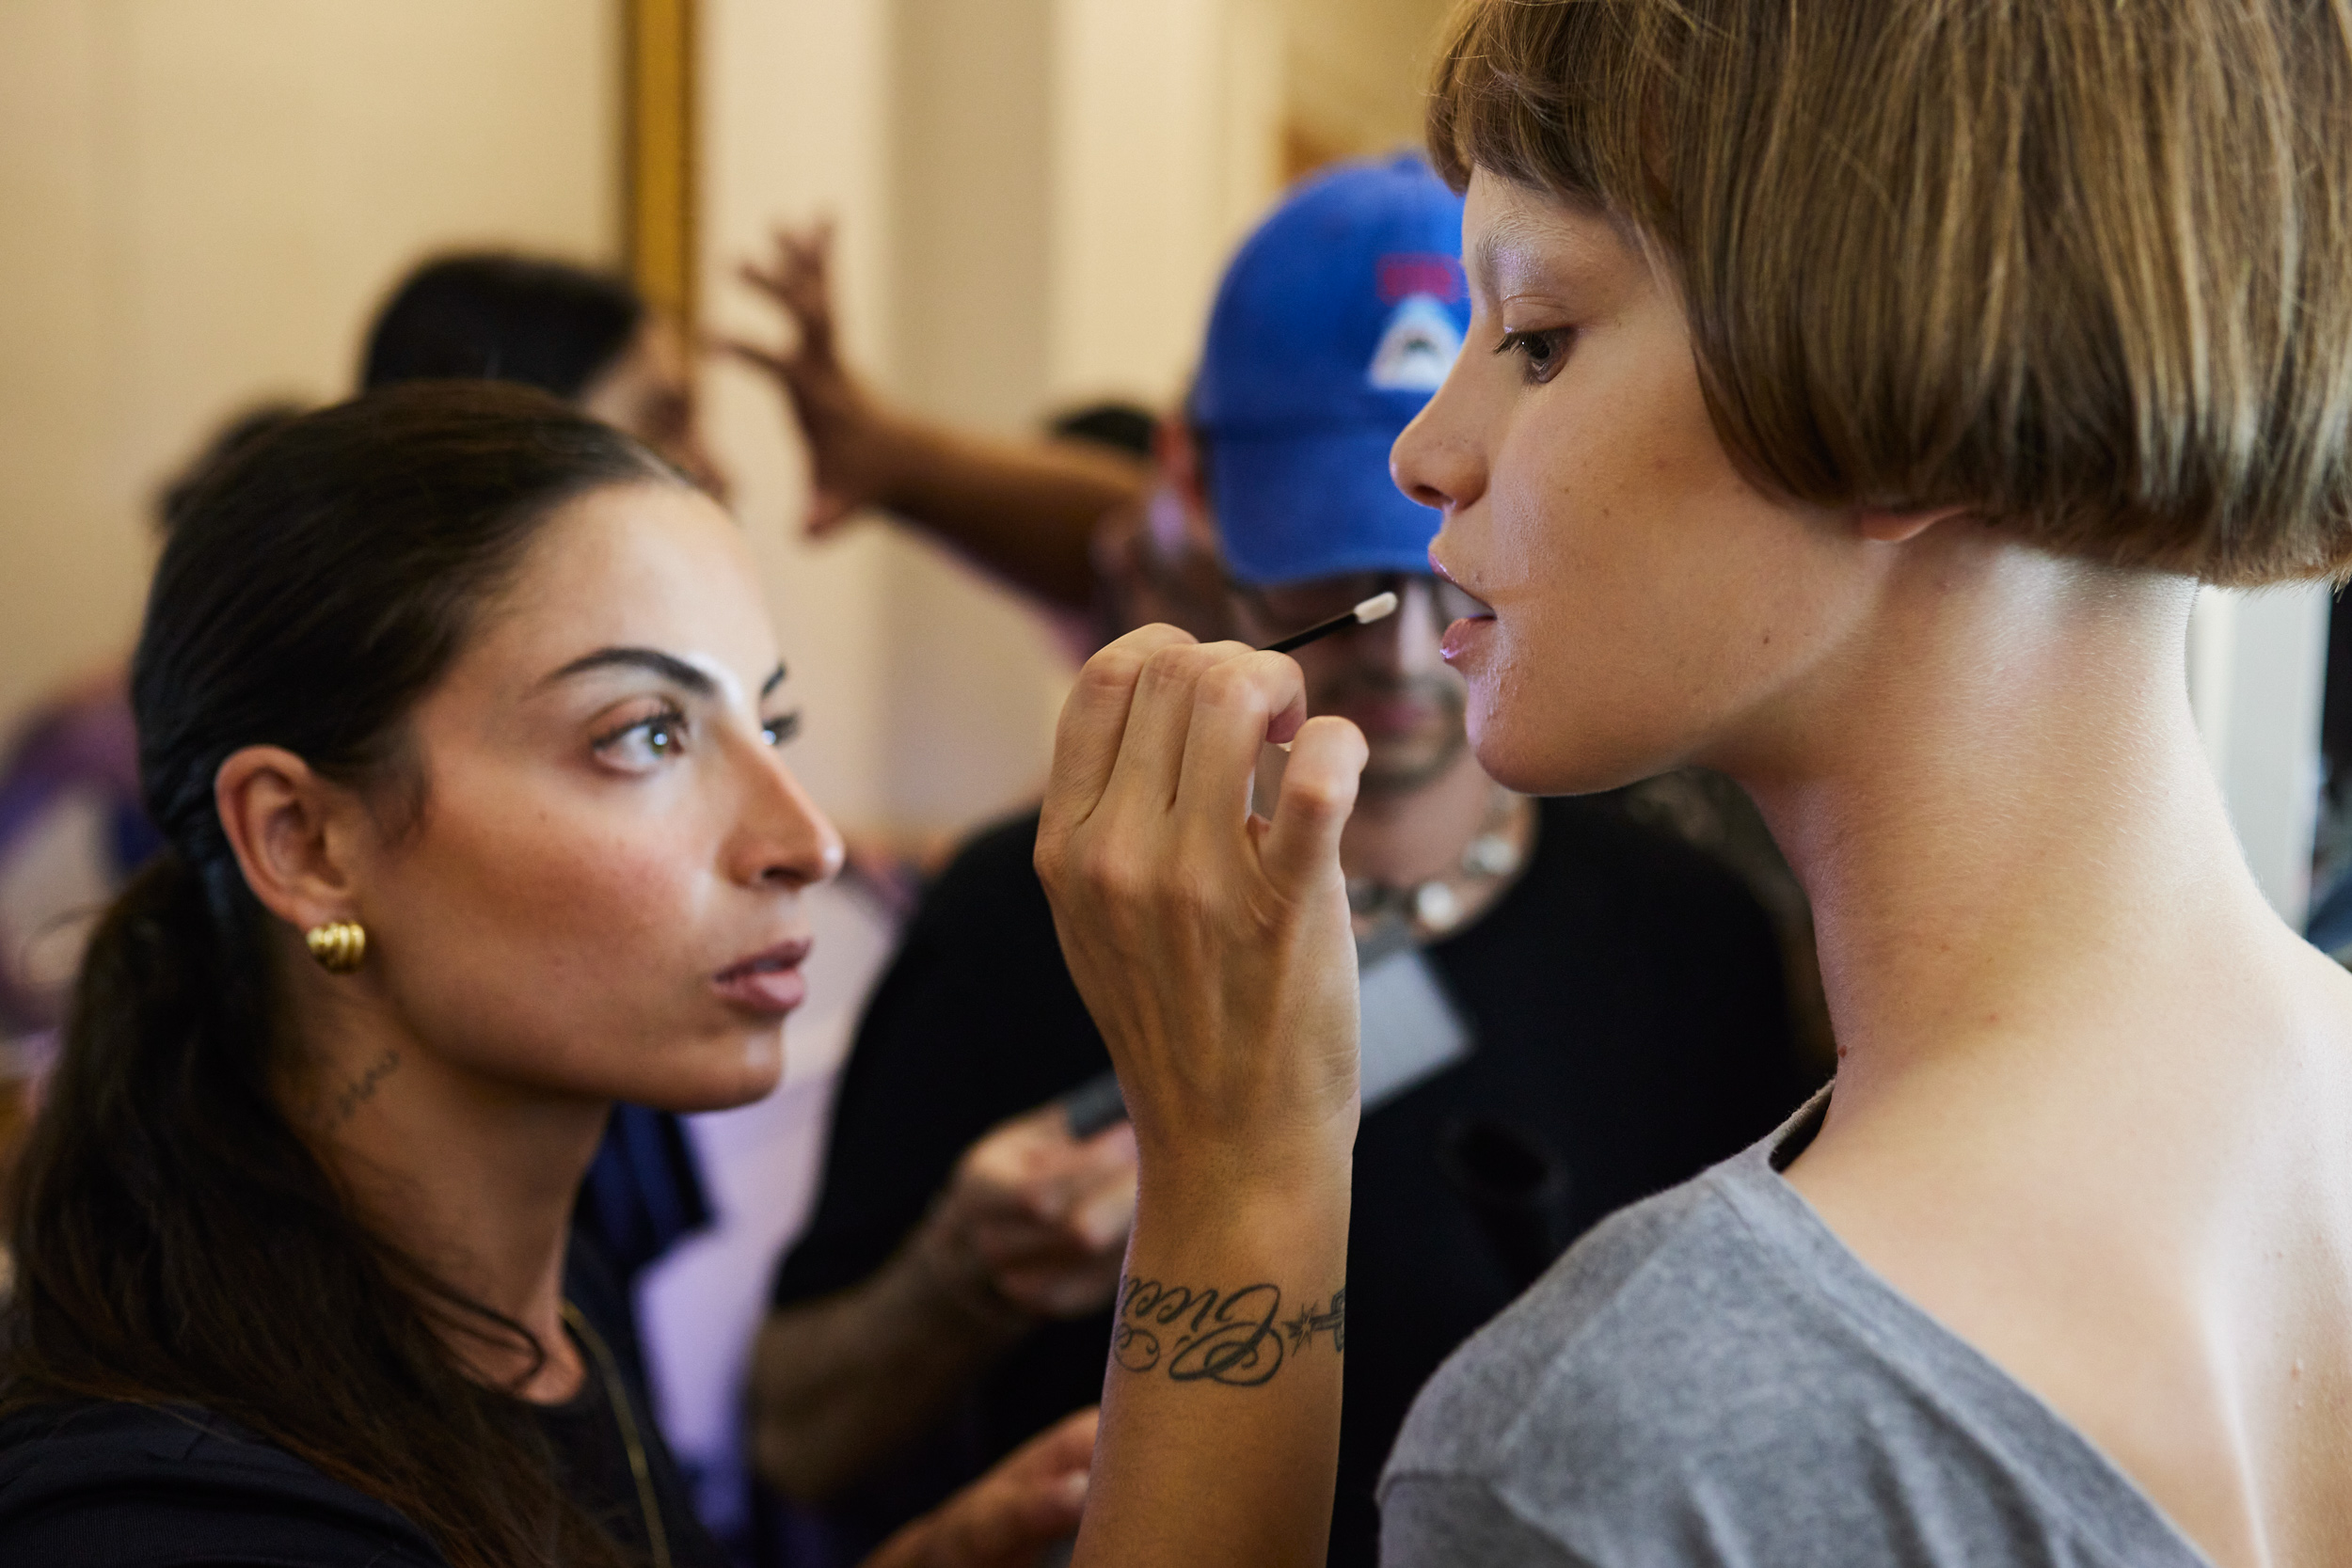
(1555, 345)
(672, 721)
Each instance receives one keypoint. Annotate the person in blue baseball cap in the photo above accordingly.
(1335, 322)
(1564, 1009)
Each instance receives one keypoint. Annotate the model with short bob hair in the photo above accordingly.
(1855, 392)
(2082, 269)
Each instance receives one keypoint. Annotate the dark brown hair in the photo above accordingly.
(2080, 266)
(496, 316)
(177, 1243)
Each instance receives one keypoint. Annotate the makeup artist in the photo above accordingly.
(459, 713)
(1565, 1011)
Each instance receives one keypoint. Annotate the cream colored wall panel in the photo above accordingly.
(796, 108)
(206, 197)
(73, 556)
(1162, 162)
(1358, 70)
(975, 680)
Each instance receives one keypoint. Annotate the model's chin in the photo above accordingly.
(1501, 753)
(721, 1073)
(1523, 752)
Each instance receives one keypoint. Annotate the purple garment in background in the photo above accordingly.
(84, 744)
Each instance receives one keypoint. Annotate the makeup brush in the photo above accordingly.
(1379, 608)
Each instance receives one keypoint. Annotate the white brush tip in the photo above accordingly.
(1379, 608)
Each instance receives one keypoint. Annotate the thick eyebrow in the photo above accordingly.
(668, 666)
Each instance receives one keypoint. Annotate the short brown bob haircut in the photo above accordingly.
(2082, 266)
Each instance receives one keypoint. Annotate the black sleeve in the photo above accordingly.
(975, 1020)
(134, 1486)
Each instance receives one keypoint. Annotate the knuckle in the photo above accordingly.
(1237, 683)
(1172, 665)
(1315, 797)
(1111, 672)
(1112, 875)
(1049, 859)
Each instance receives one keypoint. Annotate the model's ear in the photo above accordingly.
(1894, 528)
(292, 832)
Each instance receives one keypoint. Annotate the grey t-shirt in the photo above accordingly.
(1710, 1377)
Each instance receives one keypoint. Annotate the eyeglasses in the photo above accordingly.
(1292, 605)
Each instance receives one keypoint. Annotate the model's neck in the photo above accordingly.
(2001, 809)
(472, 1178)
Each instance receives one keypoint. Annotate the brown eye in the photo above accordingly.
(1544, 352)
(640, 747)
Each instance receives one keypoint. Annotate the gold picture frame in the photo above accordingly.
(659, 163)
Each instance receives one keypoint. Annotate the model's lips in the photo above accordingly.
(1464, 639)
(769, 981)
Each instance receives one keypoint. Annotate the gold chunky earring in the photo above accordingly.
(338, 945)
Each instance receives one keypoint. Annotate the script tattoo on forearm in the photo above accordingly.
(1203, 1335)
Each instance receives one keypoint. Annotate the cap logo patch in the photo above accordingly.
(1417, 348)
(1402, 276)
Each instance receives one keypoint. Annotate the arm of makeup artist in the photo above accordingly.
(1030, 1227)
(1027, 509)
(1213, 947)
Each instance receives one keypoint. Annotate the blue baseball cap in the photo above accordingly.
(1336, 321)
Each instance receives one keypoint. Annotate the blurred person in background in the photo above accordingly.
(1565, 1011)
(585, 335)
(1024, 509)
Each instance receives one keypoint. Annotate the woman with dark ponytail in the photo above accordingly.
(459, 712)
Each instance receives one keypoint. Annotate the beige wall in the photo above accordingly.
(1357, 71)
(795, 107)
(204, 198)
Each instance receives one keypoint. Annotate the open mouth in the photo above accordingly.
(1484, 611)
(1465, 636)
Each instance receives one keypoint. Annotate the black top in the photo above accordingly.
(1631, 1029)
(112, 1485)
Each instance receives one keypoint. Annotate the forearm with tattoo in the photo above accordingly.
(1205, 1334)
